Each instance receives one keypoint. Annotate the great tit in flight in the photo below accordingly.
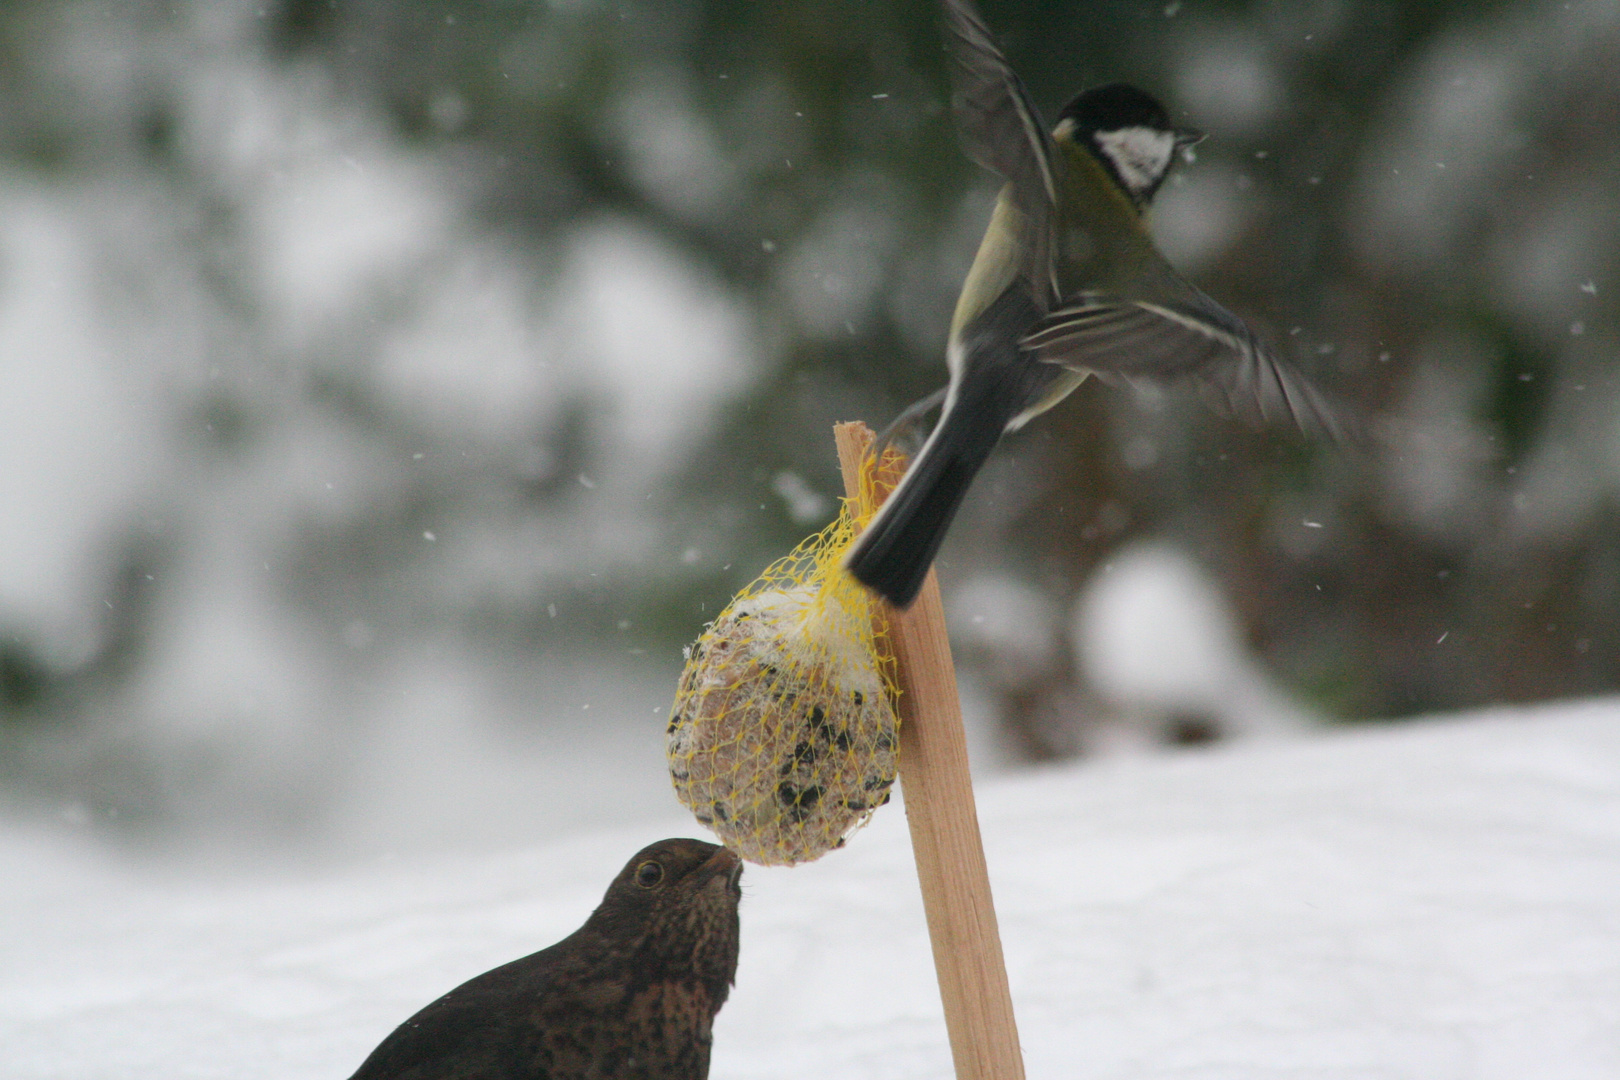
(1066, 283)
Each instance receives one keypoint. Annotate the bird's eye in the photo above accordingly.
(649, 874)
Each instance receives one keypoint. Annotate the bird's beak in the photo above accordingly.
(1186, 137)
(724, 864)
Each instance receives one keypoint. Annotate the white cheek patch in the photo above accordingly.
(1140, 155)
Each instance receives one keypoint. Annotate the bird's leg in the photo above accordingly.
(908, 416)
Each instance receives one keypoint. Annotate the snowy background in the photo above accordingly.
(389, 391)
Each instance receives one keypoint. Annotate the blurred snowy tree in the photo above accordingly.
(331, 333)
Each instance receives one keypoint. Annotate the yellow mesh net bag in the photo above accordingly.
(783, 737)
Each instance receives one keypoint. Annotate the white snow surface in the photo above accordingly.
(1434, 900)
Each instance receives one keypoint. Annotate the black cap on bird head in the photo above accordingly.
(1129, 132)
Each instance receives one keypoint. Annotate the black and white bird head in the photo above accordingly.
(1129, 132)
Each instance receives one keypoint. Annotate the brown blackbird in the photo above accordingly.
(633, 993)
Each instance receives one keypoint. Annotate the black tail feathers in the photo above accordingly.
(893, 555)
(998, 381)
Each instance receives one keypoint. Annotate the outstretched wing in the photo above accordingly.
(1003, 131)
(1158, 341)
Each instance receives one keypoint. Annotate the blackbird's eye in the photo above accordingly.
(649, 874)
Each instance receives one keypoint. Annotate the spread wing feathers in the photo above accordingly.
(1001, 126)
(1126, 340)
(1001, 129)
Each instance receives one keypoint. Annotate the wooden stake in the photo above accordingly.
(943, 818)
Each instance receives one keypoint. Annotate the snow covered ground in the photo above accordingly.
(1435, 900)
